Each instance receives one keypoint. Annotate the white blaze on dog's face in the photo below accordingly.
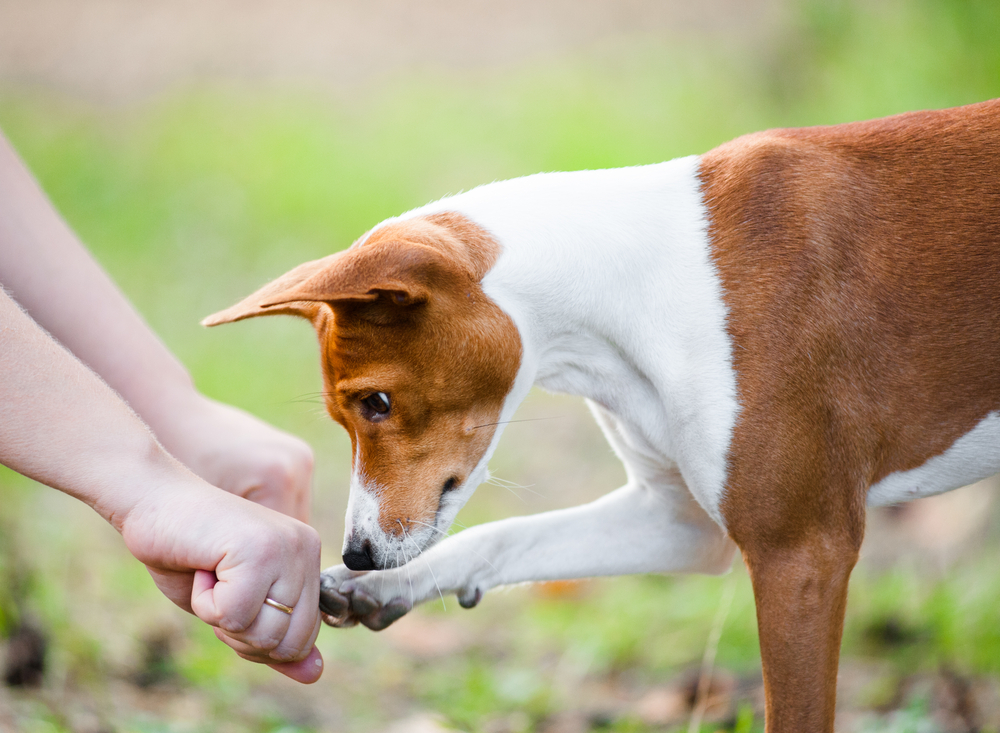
(417, 363)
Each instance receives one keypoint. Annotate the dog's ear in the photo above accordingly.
(402, 274)
(255, 305)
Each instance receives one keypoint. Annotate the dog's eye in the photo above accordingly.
(375, 407)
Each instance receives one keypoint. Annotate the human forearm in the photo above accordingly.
(46, 269)
(49, 272)
(62, 425)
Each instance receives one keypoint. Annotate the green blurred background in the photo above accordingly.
(201, 149)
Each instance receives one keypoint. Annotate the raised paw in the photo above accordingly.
(333, 605)
(345, 603)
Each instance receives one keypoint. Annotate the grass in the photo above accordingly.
(193, 199)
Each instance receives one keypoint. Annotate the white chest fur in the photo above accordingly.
(608, 278)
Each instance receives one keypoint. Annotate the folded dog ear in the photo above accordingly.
(254, 305)
(404, 272)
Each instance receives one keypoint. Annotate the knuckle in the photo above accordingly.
(233, 626)
(286, 654)
(265, 643)
(290, 469)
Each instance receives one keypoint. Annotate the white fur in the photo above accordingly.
(607, 276)
(362, 508)
(971, 458)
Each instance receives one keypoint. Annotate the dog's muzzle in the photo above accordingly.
(359, 557)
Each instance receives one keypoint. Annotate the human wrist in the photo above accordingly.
(130, 478)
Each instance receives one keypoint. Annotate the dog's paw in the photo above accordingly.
(367, 609)
(345, 601)
(335, 607)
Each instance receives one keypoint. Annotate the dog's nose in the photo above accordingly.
(360, 560)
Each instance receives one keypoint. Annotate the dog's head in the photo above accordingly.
(417, 363)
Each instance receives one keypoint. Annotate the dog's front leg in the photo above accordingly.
(636, 529)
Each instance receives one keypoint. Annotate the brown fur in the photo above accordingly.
(403, 313)
(860, 265)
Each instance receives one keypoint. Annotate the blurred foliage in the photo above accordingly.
(193, 199)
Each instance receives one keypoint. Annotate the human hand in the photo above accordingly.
(219, 557)
(237, 452)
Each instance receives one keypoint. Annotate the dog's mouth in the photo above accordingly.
(388, 551)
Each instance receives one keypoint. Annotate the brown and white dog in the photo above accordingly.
(771, 335)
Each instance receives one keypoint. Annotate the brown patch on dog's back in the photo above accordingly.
(860, 265)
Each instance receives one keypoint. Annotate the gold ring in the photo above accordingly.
(280, 606)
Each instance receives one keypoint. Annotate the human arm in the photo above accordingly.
(53, 277)
(212, 553)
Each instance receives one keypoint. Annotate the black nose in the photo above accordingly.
(360, 560)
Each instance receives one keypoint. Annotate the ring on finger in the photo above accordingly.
(280, 606)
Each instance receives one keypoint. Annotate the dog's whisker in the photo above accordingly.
(433, 576)
(431, 526)
(308, 397)
(481, 557)
(409, 568)
(507, 422)
(511, 486)
(399, 585)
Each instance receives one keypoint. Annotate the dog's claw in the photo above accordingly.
(388, 614)
(363, 604)
(338, 622)
(332, 603)
(470, 600)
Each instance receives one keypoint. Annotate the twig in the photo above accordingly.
(708, 660)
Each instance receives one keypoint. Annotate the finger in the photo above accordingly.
(229, 599)
(208, 604)
(306, 671)
(304, 623)
(256, 654)
(175, 585)
(246, 651)
(284, 636)
(270, 629)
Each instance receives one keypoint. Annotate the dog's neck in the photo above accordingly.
(608, 277)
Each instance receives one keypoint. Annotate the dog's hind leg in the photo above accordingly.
(801, 596)
(636, 529)
(800, 546)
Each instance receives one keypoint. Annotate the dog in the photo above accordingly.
(772, 336)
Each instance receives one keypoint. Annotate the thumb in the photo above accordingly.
(203, 603)
(230, 603)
